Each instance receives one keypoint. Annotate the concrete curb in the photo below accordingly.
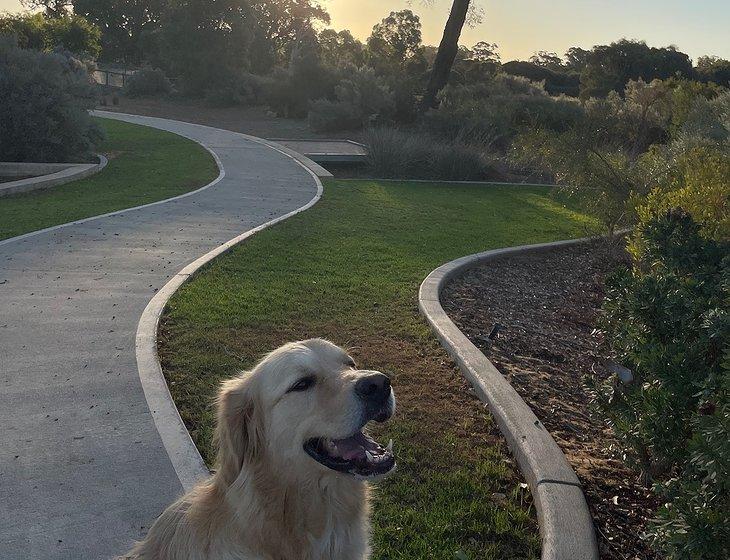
(184, 455)
(566, 526)
(56, 174)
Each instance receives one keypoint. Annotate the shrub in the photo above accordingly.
(667, 320)
(44, 111)
(245, 89)
(362, 98)
(329, 116)
(397, 154)
(148, 81)
(289, 92)
(567, 83)
(495, 110)
(698, 180)
(683, 94)
(709, 119)
(600, 178)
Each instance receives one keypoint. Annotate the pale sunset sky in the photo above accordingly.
(521, 27)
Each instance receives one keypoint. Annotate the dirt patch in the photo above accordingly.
(547, 304)
(257, 121)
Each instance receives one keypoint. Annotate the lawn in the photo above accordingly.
(349, 270)
(145, 165)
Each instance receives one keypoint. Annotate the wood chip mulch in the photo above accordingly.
(547, 304)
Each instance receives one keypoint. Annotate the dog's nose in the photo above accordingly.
(373, 388)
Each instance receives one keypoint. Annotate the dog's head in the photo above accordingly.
(303, 409)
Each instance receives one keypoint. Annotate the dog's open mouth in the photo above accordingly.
(359, 455)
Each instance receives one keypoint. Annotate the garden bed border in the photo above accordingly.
(566, 526)
(46, 175)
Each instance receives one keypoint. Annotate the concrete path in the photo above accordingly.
(83, 470)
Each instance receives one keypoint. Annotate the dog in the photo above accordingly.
(293, 464)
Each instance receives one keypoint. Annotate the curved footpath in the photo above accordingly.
(83, 470)
(566, 526)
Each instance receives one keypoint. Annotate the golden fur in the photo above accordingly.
(268, 500)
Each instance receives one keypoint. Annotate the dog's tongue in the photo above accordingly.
(353, 447)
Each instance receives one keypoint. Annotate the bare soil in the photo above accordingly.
(547, 304)
(257, 121)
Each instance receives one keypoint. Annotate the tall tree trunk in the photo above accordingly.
(446, 54)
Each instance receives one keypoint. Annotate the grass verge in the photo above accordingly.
(145, 165)
(349, 270)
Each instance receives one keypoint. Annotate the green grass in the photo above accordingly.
(145, 165)
(349, 269)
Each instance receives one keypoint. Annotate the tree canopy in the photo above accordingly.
(610, 67)
(125, 24)
(43, 33)
(395, 39)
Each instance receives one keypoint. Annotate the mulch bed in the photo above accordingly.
(547, 304)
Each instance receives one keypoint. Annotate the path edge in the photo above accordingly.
(73, 172)
(184, 455)
(565, 522)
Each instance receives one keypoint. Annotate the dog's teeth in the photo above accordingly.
(390, 446)
(370, 456)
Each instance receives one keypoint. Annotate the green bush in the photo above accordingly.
(556, 83)
(290, 92)
(495, 110)
(698, 180)
(329, 116)
(44, 110)
(245, 89)
(148, 81)
(667, 320)
(362, 98)
(397, 154)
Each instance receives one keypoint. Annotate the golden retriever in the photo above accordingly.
(293, 464)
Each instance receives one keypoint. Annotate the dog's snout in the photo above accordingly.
(374, 388)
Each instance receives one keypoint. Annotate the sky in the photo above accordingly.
(522, 27)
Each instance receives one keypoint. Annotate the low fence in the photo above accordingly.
(112, 78)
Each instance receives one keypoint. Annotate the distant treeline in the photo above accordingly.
(208, 44)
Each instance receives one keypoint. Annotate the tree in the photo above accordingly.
(340, 48)
(576, 58)
(547, 59)
(52, 8)
(395, 40)
(394, 50)
(124, 24)
(610, 67)
(70, 32)
(448, 48)
(205, 44)
(485, 52)
(281, 23)
(714, 69)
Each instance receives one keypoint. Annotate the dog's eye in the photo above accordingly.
(302, 385)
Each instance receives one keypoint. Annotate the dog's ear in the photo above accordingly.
(239, 430)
